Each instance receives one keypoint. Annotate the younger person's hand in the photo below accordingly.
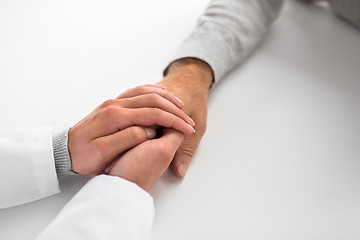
(145, 163)
(120, 124)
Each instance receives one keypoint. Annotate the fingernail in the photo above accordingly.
(182, 169)
(191, 121)
(179, 101)
(150, 133)
(107, 169)
(190, 127)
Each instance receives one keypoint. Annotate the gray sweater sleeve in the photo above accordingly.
(347, 9)
(61, 153)
(228, 32)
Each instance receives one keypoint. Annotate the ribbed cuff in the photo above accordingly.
(61, 153)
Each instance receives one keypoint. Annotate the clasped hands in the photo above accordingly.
(140, 133)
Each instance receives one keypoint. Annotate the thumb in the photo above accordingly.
(185, 154)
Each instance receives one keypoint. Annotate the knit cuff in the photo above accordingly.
(61, 153)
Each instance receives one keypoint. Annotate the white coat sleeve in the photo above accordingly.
(107, 207)
(27, 169)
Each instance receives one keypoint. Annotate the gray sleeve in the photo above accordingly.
(61, 153)
(347, 9)
(228, 32)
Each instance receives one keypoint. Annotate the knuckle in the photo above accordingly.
(163, 152)
(125, 93)
(157, 112)
(188, 150)
(110, 111)
(154, 98)
(136, 133)
(130, 89)
(122, 102)
(139, 89)
(108, 103)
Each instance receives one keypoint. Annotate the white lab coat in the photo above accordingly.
(106, 207)
(27, 169)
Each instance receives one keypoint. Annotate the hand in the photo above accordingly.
(120, 124)
(146, 162)
(190, 79)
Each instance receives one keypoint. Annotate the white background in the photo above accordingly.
(281, 156)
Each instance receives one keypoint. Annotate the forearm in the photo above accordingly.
(228, 32)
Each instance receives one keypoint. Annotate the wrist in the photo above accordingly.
(195, 73)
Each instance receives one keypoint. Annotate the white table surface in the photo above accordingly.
(281, 156)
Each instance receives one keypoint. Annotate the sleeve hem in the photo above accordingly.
(61, 153)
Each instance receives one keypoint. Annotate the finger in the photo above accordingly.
(147, 89)
(113, 145)
(185, 154)
(146, 162)
(171, 140)
(111, 164)
(114, 119)
(155, 85)
(162, 149)
(150, 100)
(156, 101)
(158, 117)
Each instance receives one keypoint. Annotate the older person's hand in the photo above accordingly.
(189, 79)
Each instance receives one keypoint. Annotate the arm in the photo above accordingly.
(110, 207)
(107, 207)
(28, 171)
(226, 34)
(122, 123)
